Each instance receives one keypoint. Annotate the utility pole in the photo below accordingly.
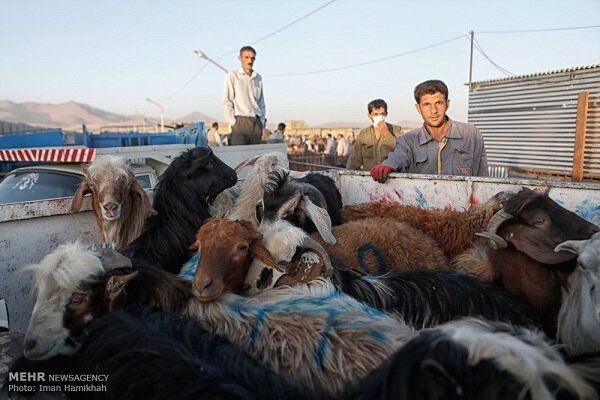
(471, 35)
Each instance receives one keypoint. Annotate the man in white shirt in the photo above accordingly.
(213, 137)
(343, 147)
(244, 101)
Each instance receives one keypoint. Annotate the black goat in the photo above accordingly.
(314, 196)
(152, 355)
(187, 187)
(424, 298)
(477, 359)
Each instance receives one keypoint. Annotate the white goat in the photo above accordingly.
(579, 315)
(120, 204)
(56, 278)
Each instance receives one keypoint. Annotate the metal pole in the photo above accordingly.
(162, 112)
(202, 55)
(471, 35)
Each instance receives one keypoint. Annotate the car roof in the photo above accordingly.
(75, 168)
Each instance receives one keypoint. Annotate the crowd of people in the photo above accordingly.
(441, 146)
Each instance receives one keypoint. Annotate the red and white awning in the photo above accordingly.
(56, 154)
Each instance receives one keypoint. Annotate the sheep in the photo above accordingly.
(579, 315)
(421, 298)
(519, 251)
(453, 230)
(475, 359)
(120, 204)
(191, 182)
(377, 245)
(314, 196)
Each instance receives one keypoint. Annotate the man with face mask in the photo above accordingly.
(373, 143)
(441, 146)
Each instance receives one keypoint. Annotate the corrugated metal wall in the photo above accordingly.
(529, 122)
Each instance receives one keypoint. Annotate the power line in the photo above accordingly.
(254, 42)
(369, 62)
(501, 69)
(187, 83)
(284, 27)
(541, 30)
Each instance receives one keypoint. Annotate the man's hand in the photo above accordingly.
(380, 173)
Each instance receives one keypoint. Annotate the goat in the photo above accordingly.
(199, 365)
(519, 252)
(421, 298)
(313, 335)
(579, 315)
(475, 359)
(191, 182)
(56, 278)
(453, 230)
(377, 245)
(120, 204)
(240, 201)
(75, 284)
(314, 196)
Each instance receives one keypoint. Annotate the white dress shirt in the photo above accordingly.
(243, 96)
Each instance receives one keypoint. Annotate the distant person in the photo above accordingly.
(244, 102)
(330, 144)
(266, 134)
(373, 144)
(213, 137)
(343, 146)
(441, 146)
(277, 136)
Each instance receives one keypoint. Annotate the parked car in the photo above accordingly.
(51, 181)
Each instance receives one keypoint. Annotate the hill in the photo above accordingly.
(71, 115)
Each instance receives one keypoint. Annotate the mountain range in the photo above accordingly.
(71, 115)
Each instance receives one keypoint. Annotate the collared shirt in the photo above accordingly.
(367, 151)
(463, 153)
(243, 96)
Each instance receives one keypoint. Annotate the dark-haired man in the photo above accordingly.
(244, 101)
(373, 143)
(441, 146)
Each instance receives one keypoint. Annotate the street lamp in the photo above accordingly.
(202, 55)
(162, 113)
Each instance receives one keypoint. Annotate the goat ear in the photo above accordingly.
(116, 283)
(320, 217)
(81, 191)
(571, 246)
(535, 244)
(259, 251)
(139, 190)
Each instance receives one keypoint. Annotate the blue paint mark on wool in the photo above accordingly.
(188, 271)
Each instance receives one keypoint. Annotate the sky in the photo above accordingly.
(114, 54)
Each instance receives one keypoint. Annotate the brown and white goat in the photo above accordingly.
(120, 204)
(227, 248)
(520, 255)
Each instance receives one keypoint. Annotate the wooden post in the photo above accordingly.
(580, 131)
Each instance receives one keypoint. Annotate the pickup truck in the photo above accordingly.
(29, 231)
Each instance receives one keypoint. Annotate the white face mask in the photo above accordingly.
(377, 119)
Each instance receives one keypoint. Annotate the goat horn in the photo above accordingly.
(496, 242)
(311, 244)
(498, 219)
(307, 188)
